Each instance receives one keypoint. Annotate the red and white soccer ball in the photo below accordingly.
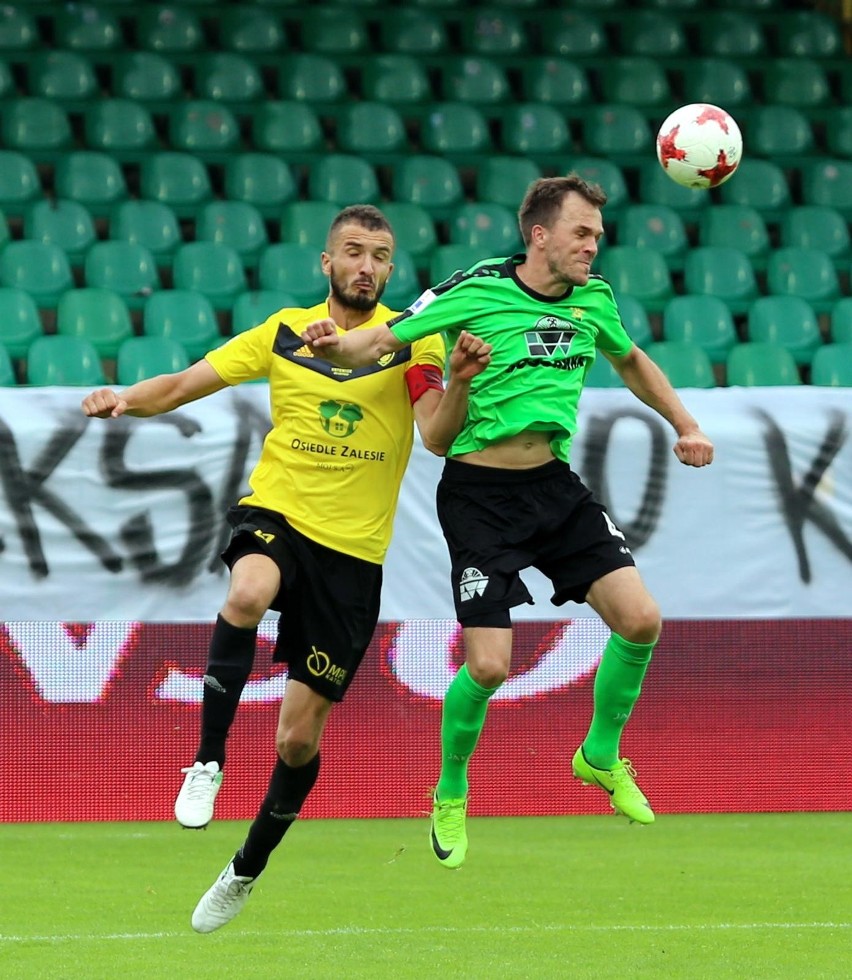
(700, 146)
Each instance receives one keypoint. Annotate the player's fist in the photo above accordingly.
(103, 404)
(469, 357)
(321, 333)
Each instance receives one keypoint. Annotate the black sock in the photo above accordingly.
(288, 790)
(229, 664)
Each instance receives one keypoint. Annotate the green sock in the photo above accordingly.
(465, 705)
(617, 686)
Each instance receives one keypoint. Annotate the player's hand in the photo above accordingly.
(322, 337)
(469, 357)
(103, 404)
(694, 449)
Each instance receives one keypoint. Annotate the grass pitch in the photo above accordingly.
(734, 896)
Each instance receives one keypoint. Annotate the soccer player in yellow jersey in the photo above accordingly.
(339, 444)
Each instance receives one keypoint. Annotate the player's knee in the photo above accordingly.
(488, 672)
(295, 748)
(245, 606)
(642, 623)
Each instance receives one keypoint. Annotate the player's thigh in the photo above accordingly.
(623, 602)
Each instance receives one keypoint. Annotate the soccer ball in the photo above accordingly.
(699, 146)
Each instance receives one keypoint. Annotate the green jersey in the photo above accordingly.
(543, 347)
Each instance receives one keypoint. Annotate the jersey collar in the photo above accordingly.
(512, 264)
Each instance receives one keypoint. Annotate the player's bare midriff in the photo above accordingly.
(521, 452)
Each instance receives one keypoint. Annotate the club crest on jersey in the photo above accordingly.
(340, 419)
(551, 337)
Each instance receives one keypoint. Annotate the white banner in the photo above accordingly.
(124, 520)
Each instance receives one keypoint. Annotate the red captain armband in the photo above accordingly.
(421, 378)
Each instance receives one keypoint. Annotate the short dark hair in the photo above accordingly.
(544, 197)
(366, 215)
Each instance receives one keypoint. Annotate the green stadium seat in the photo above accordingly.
(122, 128)
(249, 30)
(169, 30)
(685, 365)
(456, 130)
(607, 175)
(556, 81)
(655, 187)
(261, 179)
(639, 272)
(719, 81)
(396, 79)
(7, 369)
(429, 181)
(38, 127)
(478, 80)
(39, 268)
(90, 178)
(66, 76)
(828, 183)
(289, 128)
(210, 268)
(183, 316)
(147, 78)
(761, 364)
(148, 223)
(759, 184)
(725, 272)
(204, 128)
(808, 34)
(413, 229)
(372, 130)
(840, 329)
(781, 133)
(817, 227)
(838, 130)
(343, 179)
(20, 323)
(736, 226)
(602, 374)
(97, 315)
(179, 180)
(8, 85)
(19, 32)
(311, 78)
(492, 31)
(126, 268)
(56, 360)
(334, 30)
(653, 34)
(504, 180)
(87, 27)
(412, 32)
(307, 222)
(236, 224)
(804, 272)
(634, 316)
(619, 133)
(292, 268)
(140, 358)
(702, 320)
(572, 34)
(534, 130)
(490, 228)
(788, 321)
(731, 34)
(254, 307)
(224, 76)
(832, 365)
(65, 223)
(449, 259)
(799, 82)
(638, 81)
(403, 287)
(655, 226)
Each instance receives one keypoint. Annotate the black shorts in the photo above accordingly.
(497, 522)
(329, 601)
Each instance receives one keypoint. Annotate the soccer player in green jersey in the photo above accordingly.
(340, 442)
(508, 499)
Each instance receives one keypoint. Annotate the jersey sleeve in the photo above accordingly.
(612, 338)
(431, 313)
(245, 357)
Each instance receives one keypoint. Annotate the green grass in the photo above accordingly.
(735, 896)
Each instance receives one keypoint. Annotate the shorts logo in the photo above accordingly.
(320, 665)
(268, 538)
(340, 419)
(473, 583)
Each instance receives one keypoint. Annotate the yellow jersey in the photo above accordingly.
(333, 461)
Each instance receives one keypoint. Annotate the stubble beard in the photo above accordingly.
(355, 300)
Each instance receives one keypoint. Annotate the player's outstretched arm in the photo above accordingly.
(650, 385)
(154, 395)
(352, 349)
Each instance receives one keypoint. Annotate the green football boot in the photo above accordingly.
(447, 834)
(619, 784)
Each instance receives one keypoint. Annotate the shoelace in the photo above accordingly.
(625, 775)
(222, 897)
(452, 816)
(199, 784)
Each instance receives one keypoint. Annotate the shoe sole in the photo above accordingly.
(620, 813)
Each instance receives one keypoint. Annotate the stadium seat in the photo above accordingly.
(233, 223)
(477, 80)
(832, 365)
(652, 34)
(97, 315)
(126, 268)
(556, 81)
(38, 127)
(840, 329)
(805, 272)
(838, 130)
(719, 81)
(396, 79)
(491, 31)
(602, 374)
(140, 358)
(56, 360)
(291, 268)
(334, 31)
(491, 228)
(759, 184)
(829, 183)
(289, 128)
(455, 130)
(311, 78)
(19, 32)
(413, 229)
(66, 223)
(183, 316)
(179, 180)
(430, 181)
(263, 180)
(788, 321)
(504, 180)
(20, 323)
(808, 34)
(731, 34)
(403, 287)
(654, 226)
(617, 132)
(799, 82)
(685, 365)
(204, 128)
(761, 364)
(655, 187)
(248, 29)
(147, 78)
(7, 369)
(372, 130)
(90, 178)
(412, 32)
(254, 307)
(736, 226)
(634, 316)
(720, 271)
(638, 81)
(223, 76)
(39, 268)
(168, 30)
(449, 259)
(702, 320)
(782, 133)
(122, 128)
(572, 34)
(307, 222)
(66, 76)
(87, 27)
(343, 179)
(536, 131)
(148, 223)
(610, 177)
(639, 272)
(210, 268)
